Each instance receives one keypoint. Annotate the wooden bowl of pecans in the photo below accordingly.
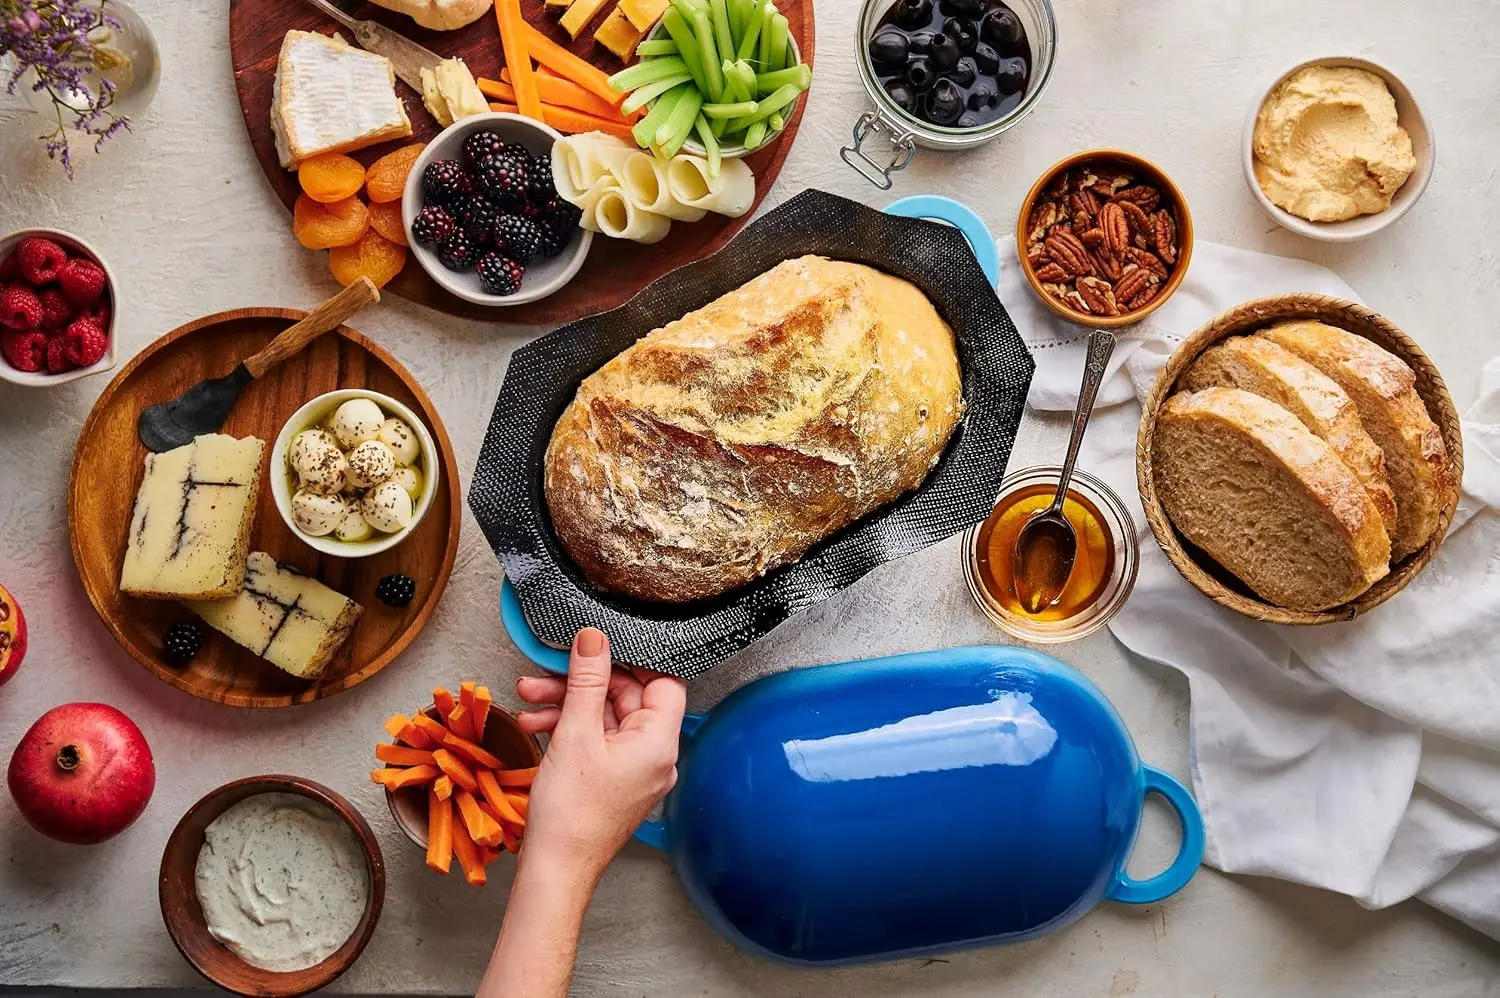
(1104, 238)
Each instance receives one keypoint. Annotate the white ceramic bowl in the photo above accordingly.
(544, 275)
(283, 479)
(1424, 146)
(71, 243)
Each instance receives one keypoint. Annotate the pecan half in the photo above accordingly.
(1065, 250)
(1147, 261)
(1165, 235)
(1051, 273)
(1106, 263)
(1084, 201)
(1135, 280)
(1098, 295)
(1092, 238)
(1139, 221)
(1036, 253)
(1043, 217)
(1143, 196)
(1115, 227)
(1074, 300)
(1144, 298)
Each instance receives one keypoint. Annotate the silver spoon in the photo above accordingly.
(1047, 544)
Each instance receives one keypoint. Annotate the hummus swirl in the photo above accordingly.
(1328, 146)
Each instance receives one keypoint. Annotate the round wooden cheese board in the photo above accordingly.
(614, 270)
(107, 469)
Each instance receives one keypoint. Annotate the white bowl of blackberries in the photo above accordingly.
(483, 216)
(958, 68)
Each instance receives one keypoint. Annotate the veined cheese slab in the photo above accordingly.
(292, 621)
(332, 97)
(190, 530)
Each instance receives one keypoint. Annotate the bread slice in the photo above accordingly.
(1273, 372)
(1267, 498)
(1416, 459)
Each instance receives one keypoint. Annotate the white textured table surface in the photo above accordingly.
(190, 226)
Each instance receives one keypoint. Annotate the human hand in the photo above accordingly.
(613, 755)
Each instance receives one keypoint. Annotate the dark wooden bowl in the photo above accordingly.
(503, 738)
(184, 916)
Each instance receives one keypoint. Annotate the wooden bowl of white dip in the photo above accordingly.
(322, 912)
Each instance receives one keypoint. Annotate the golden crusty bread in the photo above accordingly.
(1267, 498)
(730, 441)
(1273, 372)
(1381, 385)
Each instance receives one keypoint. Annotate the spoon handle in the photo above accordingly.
(1101, 346)
(327, 316)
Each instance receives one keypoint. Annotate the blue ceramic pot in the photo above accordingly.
(911, 805)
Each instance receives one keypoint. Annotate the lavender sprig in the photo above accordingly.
(51, 38)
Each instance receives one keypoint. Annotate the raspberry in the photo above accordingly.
(542, 188)
(57, 355)
(444, 182)
(456, 252)
(478, 218)
(499, 274)
(517, 237)
(86, 342)
(24, 349)
(99, 312)
(432, 225)
(39, 259)
(81, 280)
(504, 178)
(20, 308)
(56, 311)
(480, 145)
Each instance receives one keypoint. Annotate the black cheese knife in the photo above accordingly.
(204, 407)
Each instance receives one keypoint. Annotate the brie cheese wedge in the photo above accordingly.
(292, 621)
(332, 97)
(450, 93)
(440, 15)
(190, 529)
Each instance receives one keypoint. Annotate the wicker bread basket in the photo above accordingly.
(1195, 566)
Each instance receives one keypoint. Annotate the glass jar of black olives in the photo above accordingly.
(946, 74)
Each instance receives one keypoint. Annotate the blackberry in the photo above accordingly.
(517, 237)
(542, 188)
(499, 274)
(432, 225)
(457, 252)
(444, 182)
(504, 178)
(554, 239)
(181, 642)
(478, 219)
(395, 590)
(480, 145)
(562, 214)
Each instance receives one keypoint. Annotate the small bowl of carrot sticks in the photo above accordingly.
(457, 777)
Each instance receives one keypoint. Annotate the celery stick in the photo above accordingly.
(710, 146)
(780, 32)
(770, 105)
(645, 129)
(718, 13)
(642, 96)
(687, 45)
(799, 76)
(755, 135)
(747, 78)
(732, 93)
(767, 29)
(739, 110)
(673, 132)
(710, 54)
(647, 71)
(736, 18)
(751, 35)
(776, 122)
(656, 46)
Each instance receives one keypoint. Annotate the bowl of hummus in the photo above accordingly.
(1337, 149)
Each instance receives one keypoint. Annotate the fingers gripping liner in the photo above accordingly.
(688, 639)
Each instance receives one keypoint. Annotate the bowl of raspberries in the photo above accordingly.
(482, 214)
(57, 312)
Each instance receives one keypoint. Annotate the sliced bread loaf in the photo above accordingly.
(1416, 459)
(1267, 498)
(1273, 372)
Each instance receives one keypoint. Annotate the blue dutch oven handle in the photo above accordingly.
(1189, 856)
(514, 622)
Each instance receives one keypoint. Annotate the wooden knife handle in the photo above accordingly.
(327, 316)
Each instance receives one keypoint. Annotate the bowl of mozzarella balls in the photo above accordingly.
(356, 472)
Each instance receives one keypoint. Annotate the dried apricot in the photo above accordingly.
(386, 178)
(374, 256)
(385, 218)
(324, 226)
(331, 177)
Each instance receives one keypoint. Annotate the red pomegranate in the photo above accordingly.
(82, 773)
(12, 635)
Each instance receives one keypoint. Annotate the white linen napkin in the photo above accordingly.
(1361, 757)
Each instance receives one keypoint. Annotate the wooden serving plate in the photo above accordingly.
(614, 270)
(107, 471)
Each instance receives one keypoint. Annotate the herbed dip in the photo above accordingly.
(282, 880)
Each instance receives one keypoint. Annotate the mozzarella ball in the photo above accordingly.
(356, 421)
(316, 515)
(396, 435)
(353, 527)
(410, 479)
(321, 465)
(387, 507)
(370, 463)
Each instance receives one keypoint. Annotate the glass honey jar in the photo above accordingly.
(1104, 567)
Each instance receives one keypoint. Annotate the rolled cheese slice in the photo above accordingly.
(581, 161)
(588, 200)
(643, 180)
(731, 193)
(615, 216)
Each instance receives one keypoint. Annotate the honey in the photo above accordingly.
(1093, 565)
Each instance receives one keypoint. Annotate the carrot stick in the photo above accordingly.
(468, 855)
(402, 729)
(482, 828)
(516, 43)
(515, 777)
(444, 702)
(571, 122)
(458, 721)
(566, 93)
(558, 59)
(395, 779)
(488, 855)
(495, 797)
(455, 769)
(434, 730)
(520, 802)
(395, 723)
(439, 833)
(482, 703)
(400, 755)
(466, 695)
(443, 787)
(470, 751)
(511, 840)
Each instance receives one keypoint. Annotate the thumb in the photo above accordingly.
(588, 684)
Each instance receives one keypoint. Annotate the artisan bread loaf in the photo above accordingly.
(1381, 385)
(730, 441)
(1266, 369)
(1267, 498)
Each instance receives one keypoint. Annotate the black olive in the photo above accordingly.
(888, 51)
(902, 94)
(945, 53)
(1012, 76)
(1002, 29)
(963, 8)
(963, 31)
(919, 73)
(944, 103)
(986, 59)
(983, 96)
(964, 73)
(920, 42)
(912, 13)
